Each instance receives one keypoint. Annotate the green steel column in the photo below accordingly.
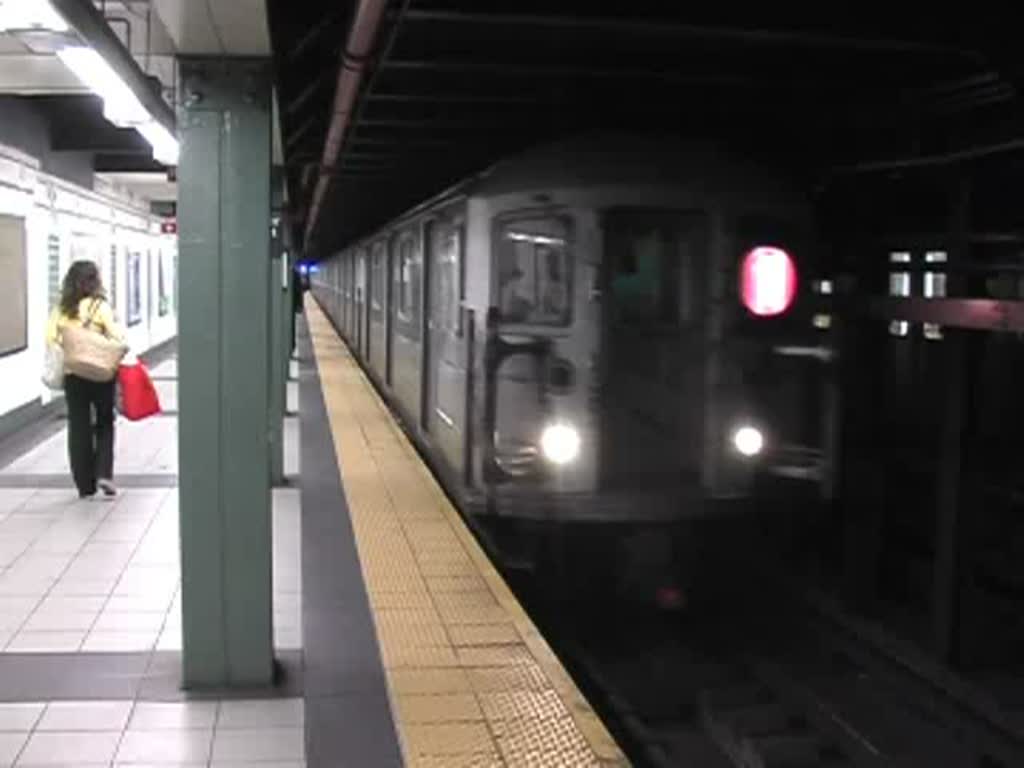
(224, 370)
(293, 263)
(278, 372)
(287, 316)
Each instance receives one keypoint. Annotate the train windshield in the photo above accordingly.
(655, 263)
(534, 271)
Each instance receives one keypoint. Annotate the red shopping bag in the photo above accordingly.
(138, 397)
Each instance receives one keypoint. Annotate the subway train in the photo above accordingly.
(601, 339)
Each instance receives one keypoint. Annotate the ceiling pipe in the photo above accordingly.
(92, 27)
(361, 37)
(947, 158)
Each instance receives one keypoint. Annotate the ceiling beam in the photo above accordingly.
(305, 94)
(424, 141)
(302, 130)
(312, 35)
(89, 23)
(668, 28)
(126, 163)
(537, 72)
(926, 161)
(98, 138)
(450, 98)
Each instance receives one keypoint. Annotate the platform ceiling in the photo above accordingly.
(453, 85)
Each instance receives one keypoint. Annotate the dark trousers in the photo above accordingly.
(90, 431)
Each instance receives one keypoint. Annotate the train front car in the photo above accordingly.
(647, 315)
(771, 361)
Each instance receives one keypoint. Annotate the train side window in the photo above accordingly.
(899, 285)
(361, 276)
(377, 277)
(534, 271)
(653, 260)
(444, 302)
(408, 280)
(643, 278)
(934, 288)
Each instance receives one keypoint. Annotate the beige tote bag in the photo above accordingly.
(90, 354)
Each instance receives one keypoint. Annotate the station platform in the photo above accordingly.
(398, 641)
(90, 612)
(470, 679)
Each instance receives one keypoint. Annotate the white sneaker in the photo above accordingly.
(108, 487)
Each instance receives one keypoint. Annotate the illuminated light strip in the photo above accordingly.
(120, 106)
(165, 146)
(30, 14)
(523, 237)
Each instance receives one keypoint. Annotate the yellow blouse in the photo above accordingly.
(102, 320)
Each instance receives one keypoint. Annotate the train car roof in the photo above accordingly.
(597, 160)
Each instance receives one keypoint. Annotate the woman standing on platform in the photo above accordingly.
(83, 303)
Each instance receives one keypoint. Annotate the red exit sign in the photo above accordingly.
(168, 227)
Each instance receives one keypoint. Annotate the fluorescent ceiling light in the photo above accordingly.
(165, 146)
(120, 105)
(30, 14)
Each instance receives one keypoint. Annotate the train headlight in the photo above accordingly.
(748, 440)
(560, 443)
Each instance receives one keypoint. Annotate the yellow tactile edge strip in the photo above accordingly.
(472, 681)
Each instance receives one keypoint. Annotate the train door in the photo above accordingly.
(389, 318)
(368, 286)
(655, 269)
(350, 298)
(440, 350)
(427, 360)
(346, 298)
(361, 302)
(367, 305)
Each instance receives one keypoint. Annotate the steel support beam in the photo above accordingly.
(304, 95)
(945, 604)
(278, 354)
(312, 35)
(295, 136)
(224, 364)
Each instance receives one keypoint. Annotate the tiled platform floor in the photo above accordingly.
(470, 677)
(104, 576)
(88, 734)
(84, 581)
(148, 448)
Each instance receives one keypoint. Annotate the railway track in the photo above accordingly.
(769, 683)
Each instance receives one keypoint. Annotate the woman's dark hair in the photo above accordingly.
(81, 282)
